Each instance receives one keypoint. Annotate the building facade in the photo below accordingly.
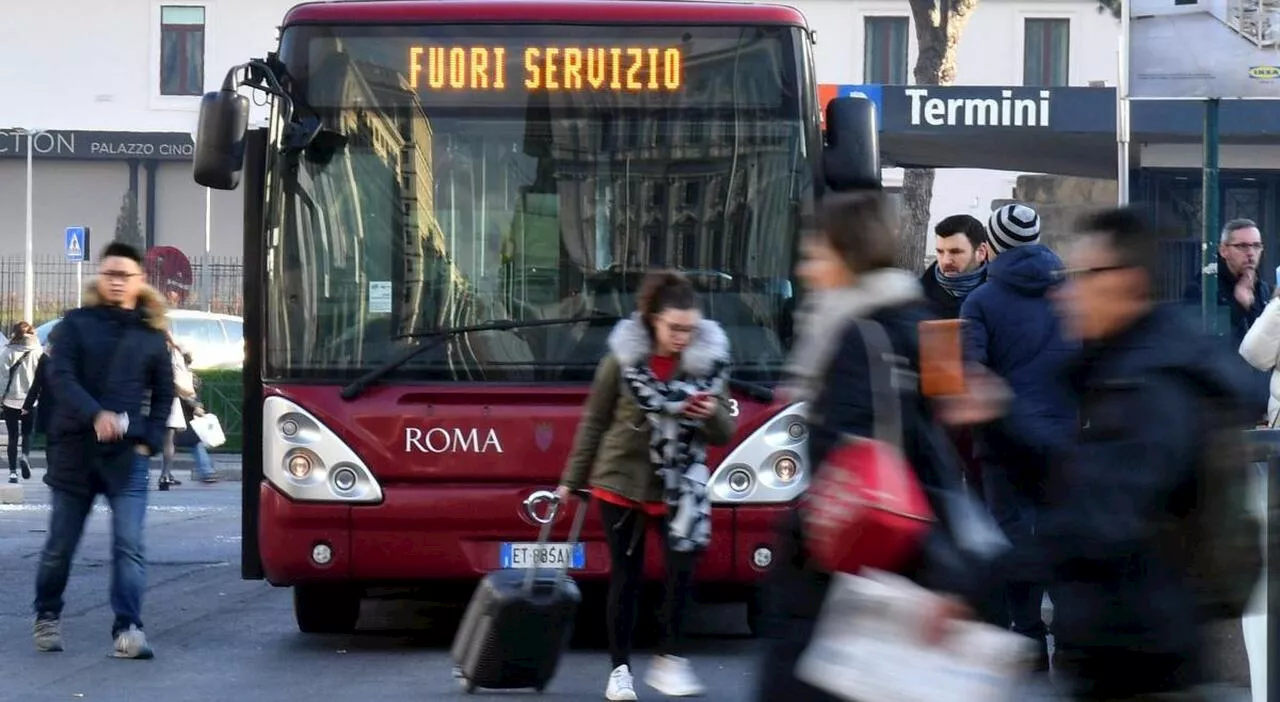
(116, 103)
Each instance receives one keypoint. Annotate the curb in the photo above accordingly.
(225, 466)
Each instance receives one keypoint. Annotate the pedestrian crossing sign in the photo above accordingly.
(77, 242)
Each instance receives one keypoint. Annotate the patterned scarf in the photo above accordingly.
(676, 447)
(961, 284)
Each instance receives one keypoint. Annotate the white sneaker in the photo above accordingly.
(132, 643)
(673, 677)
(621, 686)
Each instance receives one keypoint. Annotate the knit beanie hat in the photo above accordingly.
(1013, 225)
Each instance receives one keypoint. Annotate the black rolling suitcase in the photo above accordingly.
(518, 623)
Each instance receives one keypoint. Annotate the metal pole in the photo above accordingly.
(1122, 150)
(1122, 112)
(28, 266)
(205, 282)
(79, 283)
(1209, 210)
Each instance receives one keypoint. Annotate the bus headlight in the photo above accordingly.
(307, 461)
(300, 466)
(786, 469)
(768, 466)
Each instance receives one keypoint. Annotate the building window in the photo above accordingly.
(181, 50)
(884, 50)
(1045, 52)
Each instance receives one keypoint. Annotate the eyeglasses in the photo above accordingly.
(1078, 273)
(677, 328)
(1256, 246)
(118, 275)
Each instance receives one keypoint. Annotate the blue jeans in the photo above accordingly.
(204, 464)
(128, 559)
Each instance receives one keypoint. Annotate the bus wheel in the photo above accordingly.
(326, 609)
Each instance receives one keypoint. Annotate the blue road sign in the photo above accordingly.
(77, 243)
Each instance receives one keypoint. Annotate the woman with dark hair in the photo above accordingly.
(848, 270)
(658, 399)
(21, 356)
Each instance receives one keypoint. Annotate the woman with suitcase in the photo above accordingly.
(658, 399)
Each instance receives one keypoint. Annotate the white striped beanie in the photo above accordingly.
(1013, 225)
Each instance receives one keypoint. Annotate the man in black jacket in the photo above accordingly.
(114, 385)
(1126, 622)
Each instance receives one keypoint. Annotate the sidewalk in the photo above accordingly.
(225, 465)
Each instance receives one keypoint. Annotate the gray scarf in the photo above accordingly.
(826, 313)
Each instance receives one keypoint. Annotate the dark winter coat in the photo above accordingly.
(795, 592)
(945, 305)
(107, 359)
(1118, 602)
(40, 400)
(1012, 327)
(1240, 318)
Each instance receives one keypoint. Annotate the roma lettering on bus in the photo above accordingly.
(451, 440)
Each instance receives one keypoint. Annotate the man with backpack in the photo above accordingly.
(1145, 537)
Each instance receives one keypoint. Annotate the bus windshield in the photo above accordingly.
(526, 172)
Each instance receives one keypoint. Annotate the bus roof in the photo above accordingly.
(543, 11)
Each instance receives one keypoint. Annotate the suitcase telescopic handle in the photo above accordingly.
(544, 534)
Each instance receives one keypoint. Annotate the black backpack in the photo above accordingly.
(1219, 540)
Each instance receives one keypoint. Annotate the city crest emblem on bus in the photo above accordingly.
(543, 435)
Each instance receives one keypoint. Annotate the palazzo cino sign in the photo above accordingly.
(98, 146)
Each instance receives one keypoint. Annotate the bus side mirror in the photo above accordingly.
(851, 157)
(219, 155)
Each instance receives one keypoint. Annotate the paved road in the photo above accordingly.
(218, 637)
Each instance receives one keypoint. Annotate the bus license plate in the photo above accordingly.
(544, 556)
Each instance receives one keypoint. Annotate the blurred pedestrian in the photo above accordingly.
(21, 357)
(848, 269)
(114, 385)
(1125, 516)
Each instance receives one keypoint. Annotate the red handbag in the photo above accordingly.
(865, 507)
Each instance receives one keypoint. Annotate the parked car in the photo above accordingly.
(215, 341)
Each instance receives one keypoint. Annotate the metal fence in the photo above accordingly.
(215, 286)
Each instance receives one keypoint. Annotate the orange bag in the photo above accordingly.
(865, 507)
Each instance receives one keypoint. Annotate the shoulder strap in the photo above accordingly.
(886, 405)
(13, 370)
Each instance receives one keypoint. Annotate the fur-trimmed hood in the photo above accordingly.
(150, 303)
(631, 344)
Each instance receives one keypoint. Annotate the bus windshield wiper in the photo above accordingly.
(436, 337)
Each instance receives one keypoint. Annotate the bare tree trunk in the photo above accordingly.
(938, 35)
(913, 220)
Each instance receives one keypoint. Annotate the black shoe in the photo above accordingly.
(25, 466)
(163, 484)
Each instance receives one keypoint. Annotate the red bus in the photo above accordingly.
(450, 205)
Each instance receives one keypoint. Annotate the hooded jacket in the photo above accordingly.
(107, 359)
(20, 360)
(608, 452)
(1012, 328)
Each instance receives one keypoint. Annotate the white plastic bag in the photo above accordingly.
(867, 647)
(209, 430)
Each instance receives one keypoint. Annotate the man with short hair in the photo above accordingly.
(114, 384)
(960, 243)
(1240, 288)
